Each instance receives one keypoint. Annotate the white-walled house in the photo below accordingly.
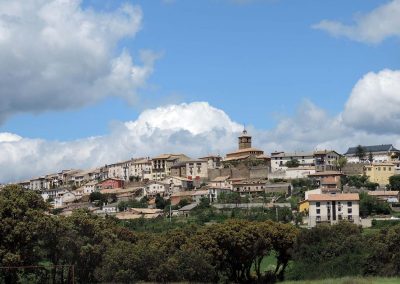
(197, 169)
(213, 162)
(110, 208)
(38, 183)
(332, 208)
(214, 193)
(89, 187)
(221, 182)
(380, 154)
(279, 159)
(155, 187)
(140, 168)
(64, 198)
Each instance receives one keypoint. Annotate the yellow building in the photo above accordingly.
(379, 172)
(304, 206)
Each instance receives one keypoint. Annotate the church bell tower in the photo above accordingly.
(244, 140)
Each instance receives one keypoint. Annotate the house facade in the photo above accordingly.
(140, 168)
(379, 172)
(332, 208)
(380, 153)
(326, 160)
(110, 183)
(161, 165)
(279, 160)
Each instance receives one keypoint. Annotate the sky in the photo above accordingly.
(84, 83)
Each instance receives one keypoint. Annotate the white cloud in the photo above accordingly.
(374, 103)
(381, 23)
(55, 55)
(196, 129)
(9, 137)
(370, 116)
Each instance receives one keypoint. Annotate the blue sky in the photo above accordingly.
(256, 61)
(84, 83)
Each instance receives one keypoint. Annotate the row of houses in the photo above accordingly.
(181, 170)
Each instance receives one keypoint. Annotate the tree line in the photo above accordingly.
(107, 250)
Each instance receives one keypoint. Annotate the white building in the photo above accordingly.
(279, 159)
(53, 193)
(332, 208)
(63, 199)
(38, 183)
(221, 182)
(161, 165)
(197, 170)
(89, 187)
(292, 173)
(380, 154)
(214, 193)
(156, 187)
(110, 208)
(213, 162)
(119, 170)
(140, 168)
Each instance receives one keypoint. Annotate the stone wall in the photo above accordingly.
(240, 171)
(352, 169)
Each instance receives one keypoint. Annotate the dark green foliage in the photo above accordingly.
(124, 205)
(328, 252)
(384, 255)
(360, 152)
(293, 163)
(231, 250)
(359, 182)
(370, 205)
(161, 203)
(394, 182)
(305, 183)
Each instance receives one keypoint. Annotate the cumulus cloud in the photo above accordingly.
(196, 129)
(9, 137)
(374, 103)
(55, 55)
(373, 27)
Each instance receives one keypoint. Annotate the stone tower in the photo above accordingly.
(244, 140)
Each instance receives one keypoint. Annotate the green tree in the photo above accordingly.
(360, 152)
(322, 251)
(293, 163)
(341, 163)
(370, 205)
(370, 157)
(21, 220)
(394, 182)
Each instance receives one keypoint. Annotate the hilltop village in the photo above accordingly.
(311, 187)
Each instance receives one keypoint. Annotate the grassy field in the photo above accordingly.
(349, 280)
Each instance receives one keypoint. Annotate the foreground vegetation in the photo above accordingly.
(349, 280)
(241, 247)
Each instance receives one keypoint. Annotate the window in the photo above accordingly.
(318, 218)
(350, 217)
(389, 168)
(384, 168)
(318, 211)
(349, 210)
(349, 204)
(340, 217)
(318, 204)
